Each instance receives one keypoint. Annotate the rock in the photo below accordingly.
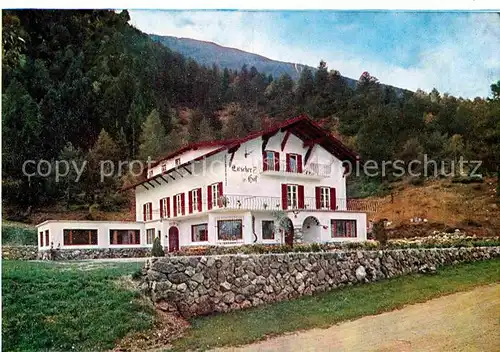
(182, 287)
(198, 277)
(178, 278)
(360, 273)
(228, 297)
(225, 286)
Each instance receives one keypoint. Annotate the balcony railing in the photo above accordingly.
(246, 202)
(311, 169)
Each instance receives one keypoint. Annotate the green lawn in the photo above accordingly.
(64, 307)
(326, 309)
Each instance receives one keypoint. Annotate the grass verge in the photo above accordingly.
(68, 307)
(18, 234)
(326, 309)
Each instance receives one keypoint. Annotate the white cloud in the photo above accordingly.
(463, 64)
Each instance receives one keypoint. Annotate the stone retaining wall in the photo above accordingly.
(19, 252)
(97, 253)
(199, 285)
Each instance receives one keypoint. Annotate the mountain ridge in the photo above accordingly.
(207, 53)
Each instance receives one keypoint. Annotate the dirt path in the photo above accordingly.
(467, 321)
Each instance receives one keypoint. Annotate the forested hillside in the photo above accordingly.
(85, 85)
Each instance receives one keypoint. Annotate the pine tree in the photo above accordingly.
(152, 137)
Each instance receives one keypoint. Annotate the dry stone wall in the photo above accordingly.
(94, 253)
(199, 285)
(19, 252)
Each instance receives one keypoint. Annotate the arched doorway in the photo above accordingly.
(287, 227)
(173, 239)
(311, 230)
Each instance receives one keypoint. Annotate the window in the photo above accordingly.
(177, 161)
(343, 228)
(41, 238)
(267, 229)
(165, 211)
(150, 173)
(148, 211)
(199, 233)
(150, 235)
(325, 198)
(124, 237)
(178, 204)
(293, 163)
(292, 196)
(163, 167)
(229, 230)
(77, 237)
(215, 194)
(47, 242)
(195, 200)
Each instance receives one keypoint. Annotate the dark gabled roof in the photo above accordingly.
(301, 126)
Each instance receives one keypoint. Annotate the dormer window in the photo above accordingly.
(271, 161)
(163, 167)
(294, 163)
(177, 161)
(150, 173)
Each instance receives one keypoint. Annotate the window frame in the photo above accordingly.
(214, 188)
(289, 192)
(149, 211)
(70, 240)
(150, 239)
(165, 207)
(193, 198)
(347, 234)
(238, 239)
(270, 161)
(193, 232)
(295, 157)
(178, 204)
(324, 198)
(273, 230)
(137, 237)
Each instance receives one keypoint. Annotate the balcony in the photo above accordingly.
(265, 203)
(311, 171)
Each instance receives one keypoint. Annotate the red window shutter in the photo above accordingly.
(199, 199)
(150, 211)
(46, 237)
(288, 167)
(334, 228)
(41, 239)
(284, 196)
(168, 206)
(190, 201)
(264, 161)
(276, 161)
(209, 197)
(144, 211)
(301, 196)
(183, 203)
(175, 205)
(161, 208)
(221, 193)
(299, 163)
(318, 197)
(333, 199)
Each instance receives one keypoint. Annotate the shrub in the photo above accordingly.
(157, 250)
(467, 179)
(18, 236)
(417, 181)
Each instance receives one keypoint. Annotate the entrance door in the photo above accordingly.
(173, 239)
(288, 228)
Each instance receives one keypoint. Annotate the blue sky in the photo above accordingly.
(455, 52)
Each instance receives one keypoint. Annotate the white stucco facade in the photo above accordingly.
(229, 196)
